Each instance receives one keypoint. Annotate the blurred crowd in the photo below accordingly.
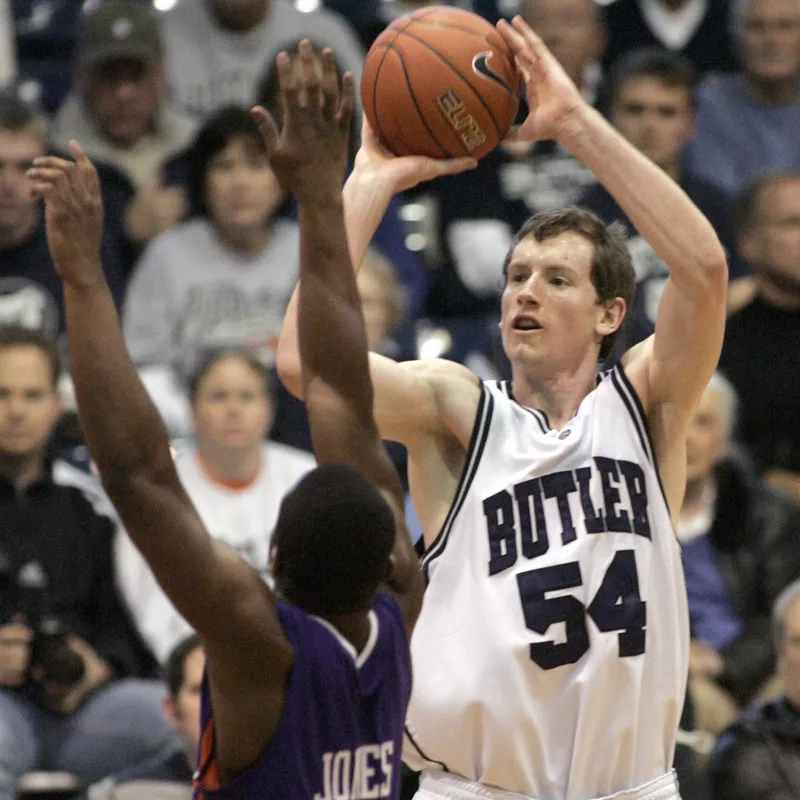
(99, 675)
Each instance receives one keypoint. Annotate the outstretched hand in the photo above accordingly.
(73, 212)
(309, 152)
(553, 99)
(402, 172)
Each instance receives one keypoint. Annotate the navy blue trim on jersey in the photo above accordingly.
(539, 416)
(480, 433)
(633, 403)
(416, 746)
(637, 420)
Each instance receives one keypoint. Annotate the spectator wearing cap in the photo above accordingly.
(119, 111)
(218, 50)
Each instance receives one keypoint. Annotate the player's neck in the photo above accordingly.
(353, 626)
(557, 394)
(235, 469)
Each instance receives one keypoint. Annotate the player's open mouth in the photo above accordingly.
(526, 324)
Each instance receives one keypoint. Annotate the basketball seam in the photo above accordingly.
(379, 132)
(387, 46)
(445, 152)
(434, 24)
(461, 75)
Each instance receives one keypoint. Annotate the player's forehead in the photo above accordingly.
(567, 249)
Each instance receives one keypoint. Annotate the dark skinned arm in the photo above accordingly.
(309, 157)
(217, 592)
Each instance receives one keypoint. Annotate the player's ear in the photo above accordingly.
(611, 313)
(390, 570)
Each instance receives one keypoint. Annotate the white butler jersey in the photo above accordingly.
(550, 658)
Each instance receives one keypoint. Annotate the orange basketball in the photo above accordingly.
(440, 82)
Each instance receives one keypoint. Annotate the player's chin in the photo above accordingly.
(524, 346)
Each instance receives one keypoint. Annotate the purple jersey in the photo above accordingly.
(340, 733)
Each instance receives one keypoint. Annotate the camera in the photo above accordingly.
(52, 660)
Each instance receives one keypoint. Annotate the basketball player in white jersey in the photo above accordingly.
(550, 659)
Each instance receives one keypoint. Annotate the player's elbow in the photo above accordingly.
(711, 261)
(716, 272)
(710, 269)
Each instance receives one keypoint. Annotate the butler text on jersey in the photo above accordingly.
(610, 495)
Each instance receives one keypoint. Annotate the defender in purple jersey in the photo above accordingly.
(306, 687)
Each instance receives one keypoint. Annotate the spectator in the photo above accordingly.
(748, 122)
(78, 707)
(696, 29)
(217, 50)
(119, 113)
(652, 106)
(761, 353)
(383, 301)
(223, 278)
(758, 757)
(235, 479)
(30, 291)
(739, 539)
(480, 210)
(169, 775)
(364, 15)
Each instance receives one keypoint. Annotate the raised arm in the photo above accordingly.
(309, 157)
(222, 597)
(376, 177)
(675, 365)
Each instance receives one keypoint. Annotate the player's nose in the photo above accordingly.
(529, 291)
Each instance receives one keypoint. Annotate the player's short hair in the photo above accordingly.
(211, 359)
(175, 665)
(669, 69)
(786, 599)
(334, 537)
(230, 122)
(612, 272)
(746, 204)
(17, 336)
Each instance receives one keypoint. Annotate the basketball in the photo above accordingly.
(440, 82)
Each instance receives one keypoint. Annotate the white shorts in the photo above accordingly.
(437, 785)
